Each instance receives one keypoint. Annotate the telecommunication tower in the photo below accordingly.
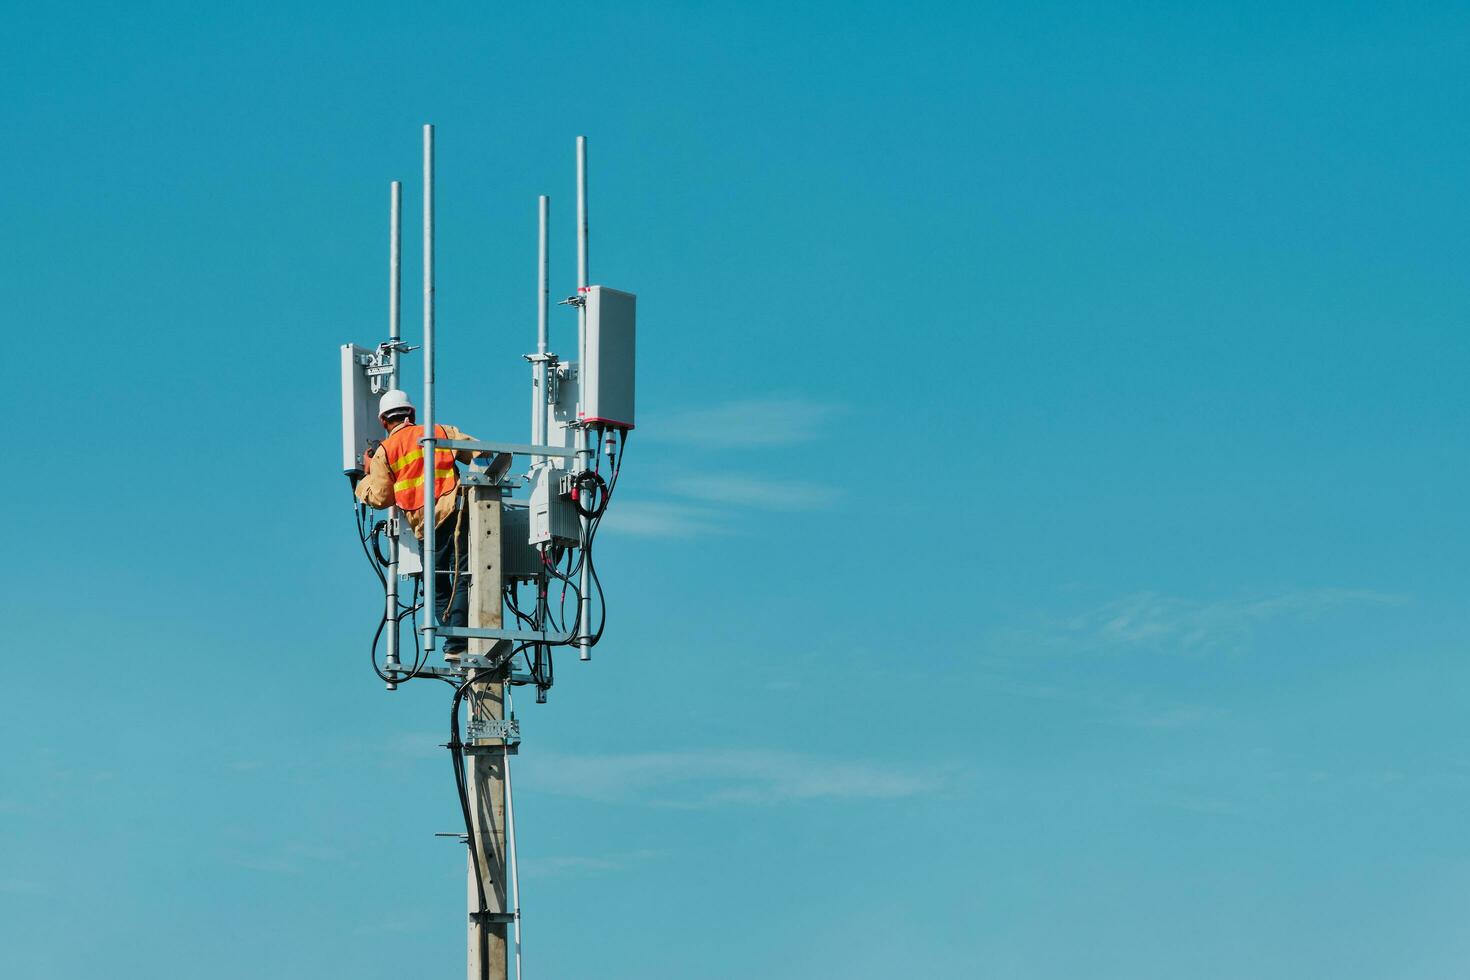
(531, 533)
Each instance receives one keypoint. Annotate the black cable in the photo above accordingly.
(461, 781)
(593, 526)
(510, 600)
(455, 745)
(379, 562)
(541, 666)
(375, 559)
(419, 660)
(589, 483)
(601, 598)
(533, 663)
(362, 536)
(568, 583)
(377, 536)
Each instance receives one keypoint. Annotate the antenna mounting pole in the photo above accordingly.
(430, 608)
(584, 453)
(395, 277)
(540, 405)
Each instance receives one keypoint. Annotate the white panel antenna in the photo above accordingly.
(607, 391)
(359, 407)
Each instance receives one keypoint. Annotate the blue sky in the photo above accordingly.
(1041, 553)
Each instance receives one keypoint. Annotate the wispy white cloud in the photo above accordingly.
(664, 519)
(707, 503)
(706, 778)
(713, 503)
(1129, 709)
(753, 491)
(750, 422)
(1148, 620)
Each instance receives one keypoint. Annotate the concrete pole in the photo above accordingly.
(486, 762)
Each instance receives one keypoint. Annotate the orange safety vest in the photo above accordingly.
(406, 462)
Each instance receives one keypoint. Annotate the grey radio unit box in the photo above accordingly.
(553, 519)
(519, 559)
(607, 381)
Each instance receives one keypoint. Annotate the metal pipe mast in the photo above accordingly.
(395, 277)
(584, 452)
(540, 403)
(430, 608)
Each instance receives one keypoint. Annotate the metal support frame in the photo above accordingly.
(492, 732)
(525, 636)
(387, 363)
(458, 673)
(515, 448)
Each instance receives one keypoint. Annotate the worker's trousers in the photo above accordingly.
(451, 573)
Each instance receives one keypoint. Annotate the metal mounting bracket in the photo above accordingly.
(455, 673)
(477, 662)
(514, 448)
(404, 673)
(508, 729)
(519, 636)
(476, 478)
(379, 364)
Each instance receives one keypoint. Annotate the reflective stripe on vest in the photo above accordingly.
(406, 462)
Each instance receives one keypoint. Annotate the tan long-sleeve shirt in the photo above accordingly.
(376, 488)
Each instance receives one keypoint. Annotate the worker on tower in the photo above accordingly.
(395, 475)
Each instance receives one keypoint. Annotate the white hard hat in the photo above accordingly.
(393, 400)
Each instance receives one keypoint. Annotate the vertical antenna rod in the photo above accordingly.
(428, 440)
(584, 454)
(540, 404)
(395, 274)
(581, 217)
(395, 200)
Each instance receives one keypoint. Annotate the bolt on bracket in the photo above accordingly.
(508, 729)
